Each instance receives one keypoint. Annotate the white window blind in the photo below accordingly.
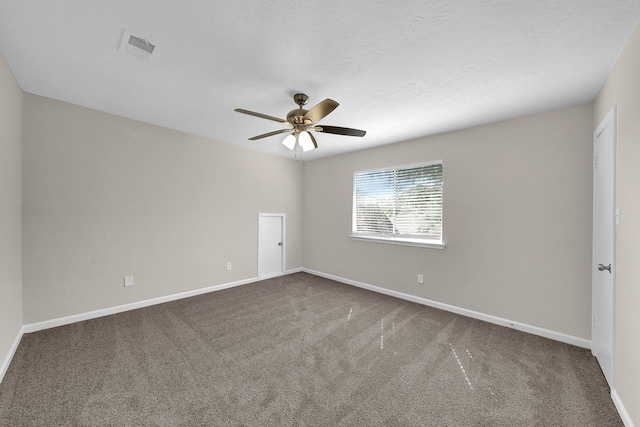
(396, 203)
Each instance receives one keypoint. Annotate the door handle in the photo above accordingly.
(602, 267)
(279, 243)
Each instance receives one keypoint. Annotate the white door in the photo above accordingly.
(604, 223)
(271, 245)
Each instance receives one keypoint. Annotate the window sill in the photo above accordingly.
(431, 244)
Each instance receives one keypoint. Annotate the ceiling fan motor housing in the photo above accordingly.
(296, 116)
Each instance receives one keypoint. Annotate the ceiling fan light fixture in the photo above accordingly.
(304, 140)
(289, 141)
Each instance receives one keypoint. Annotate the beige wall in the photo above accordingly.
(517, 221)
(105, 197)
(10, 210)
(623, 88)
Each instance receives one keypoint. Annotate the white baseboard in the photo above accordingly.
(12, 351)
(33, 327)
(47, 324)
(271, 276)
(622, 410)
(557, 336)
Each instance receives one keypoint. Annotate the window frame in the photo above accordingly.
(408, 240)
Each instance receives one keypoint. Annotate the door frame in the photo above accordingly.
(283, 264)
(610, 119)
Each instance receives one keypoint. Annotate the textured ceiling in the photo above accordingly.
(400, 70)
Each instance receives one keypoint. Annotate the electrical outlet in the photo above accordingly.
(128, 280)
(420, 279)
(228, 265)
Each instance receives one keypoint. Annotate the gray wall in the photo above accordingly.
(623, 88)
(10, 210)
(105, 197)
(517, 221)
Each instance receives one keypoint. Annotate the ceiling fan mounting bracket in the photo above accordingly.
(300, 99)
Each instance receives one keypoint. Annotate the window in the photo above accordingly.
(400, 205)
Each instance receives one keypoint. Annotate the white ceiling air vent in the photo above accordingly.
(136, 46)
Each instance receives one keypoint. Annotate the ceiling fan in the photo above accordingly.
(300, 122)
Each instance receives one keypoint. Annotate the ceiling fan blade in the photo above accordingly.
(341, 131)
(315, 144)
(321, 110)
(264, 135)
(262, 116)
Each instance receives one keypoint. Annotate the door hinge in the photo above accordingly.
(595, 163)
(593, 321)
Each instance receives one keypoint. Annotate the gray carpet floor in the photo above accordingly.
(299, 350)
